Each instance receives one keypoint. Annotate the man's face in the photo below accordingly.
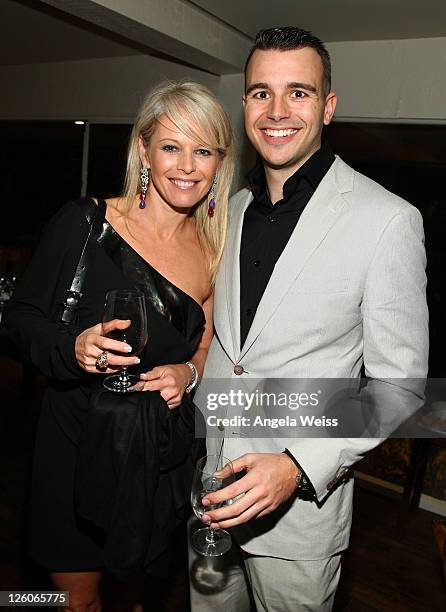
(285, 105)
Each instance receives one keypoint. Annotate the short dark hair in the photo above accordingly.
(290, 38)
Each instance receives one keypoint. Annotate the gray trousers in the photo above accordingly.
(235, 581)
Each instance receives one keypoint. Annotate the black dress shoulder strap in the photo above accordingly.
(95, 215)
(89, 208)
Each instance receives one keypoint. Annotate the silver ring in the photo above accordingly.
(102, 361)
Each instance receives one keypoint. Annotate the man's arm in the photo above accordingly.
(396, 342)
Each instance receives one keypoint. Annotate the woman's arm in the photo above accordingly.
(32, 313)
(32, 316)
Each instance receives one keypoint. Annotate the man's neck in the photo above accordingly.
(277, 177)
(275, 180)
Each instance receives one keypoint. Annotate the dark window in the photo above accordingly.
(107, 158)
(409, 160)
(40, 168)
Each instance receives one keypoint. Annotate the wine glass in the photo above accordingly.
(212, 472)
(126, 304)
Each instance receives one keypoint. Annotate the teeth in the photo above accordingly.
(279, 133)
(183, 184)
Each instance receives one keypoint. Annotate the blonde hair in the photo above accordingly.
(191, 107)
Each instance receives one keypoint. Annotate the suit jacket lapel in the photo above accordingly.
(319, 215)
(227, 290)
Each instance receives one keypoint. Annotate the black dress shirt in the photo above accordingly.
(267, 228)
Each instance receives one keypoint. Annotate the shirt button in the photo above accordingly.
(271, 219)
(248, 312)
(238, 370)
(257, 263)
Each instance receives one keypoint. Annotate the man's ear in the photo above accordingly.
(330, 107)
(244, 101)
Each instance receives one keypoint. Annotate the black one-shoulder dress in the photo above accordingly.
(111, 473)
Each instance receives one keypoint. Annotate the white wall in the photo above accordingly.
(400, 80)
(109, 89)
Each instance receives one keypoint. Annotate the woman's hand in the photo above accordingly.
(170, 380)
(92, 342)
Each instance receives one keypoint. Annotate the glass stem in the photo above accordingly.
(210, 536)
(124, 377)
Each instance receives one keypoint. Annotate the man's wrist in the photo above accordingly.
(304, 487)
(294, 470)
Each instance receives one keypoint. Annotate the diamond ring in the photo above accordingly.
(102, 361)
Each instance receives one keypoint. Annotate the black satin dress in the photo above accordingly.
(112, 473)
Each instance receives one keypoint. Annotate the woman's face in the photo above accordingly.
(182, 170)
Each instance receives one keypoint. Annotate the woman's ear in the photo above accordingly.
(142, 151)
(220, 158)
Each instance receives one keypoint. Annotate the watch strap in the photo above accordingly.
(305, 489)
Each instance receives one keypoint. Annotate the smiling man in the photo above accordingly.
(285, 110)
(323, 273)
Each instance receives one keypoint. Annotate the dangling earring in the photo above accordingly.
(145, 178)
(211, 205)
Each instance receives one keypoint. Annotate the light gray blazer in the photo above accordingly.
(349, 288)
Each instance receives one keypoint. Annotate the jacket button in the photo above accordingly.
(238, 369)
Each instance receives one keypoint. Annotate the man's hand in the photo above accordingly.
(270, 481)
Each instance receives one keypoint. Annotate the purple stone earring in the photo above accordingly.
(211, 206)
(145, 178)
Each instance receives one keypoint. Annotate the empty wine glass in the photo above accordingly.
(212, 473)
(126, 304)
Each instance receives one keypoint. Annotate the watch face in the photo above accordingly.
(305, 489)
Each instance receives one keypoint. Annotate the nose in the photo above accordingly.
(278, 108)
(186, 162)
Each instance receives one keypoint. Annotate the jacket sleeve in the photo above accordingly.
(31, 316)
(395, 336)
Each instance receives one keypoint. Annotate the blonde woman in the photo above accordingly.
(126, 457)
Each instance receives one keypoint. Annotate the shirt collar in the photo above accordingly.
(313, 170)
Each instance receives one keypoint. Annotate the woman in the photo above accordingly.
(164, 236)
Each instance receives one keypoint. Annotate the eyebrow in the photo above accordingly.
(292, 85)
(297, 85)
(256, 86)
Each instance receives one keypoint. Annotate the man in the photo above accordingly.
(323, 272)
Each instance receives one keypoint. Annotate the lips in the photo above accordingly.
(183, 184)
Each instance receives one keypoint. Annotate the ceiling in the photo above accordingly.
(37, 33)
(335, 20)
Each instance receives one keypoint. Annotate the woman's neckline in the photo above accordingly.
(147, 263)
